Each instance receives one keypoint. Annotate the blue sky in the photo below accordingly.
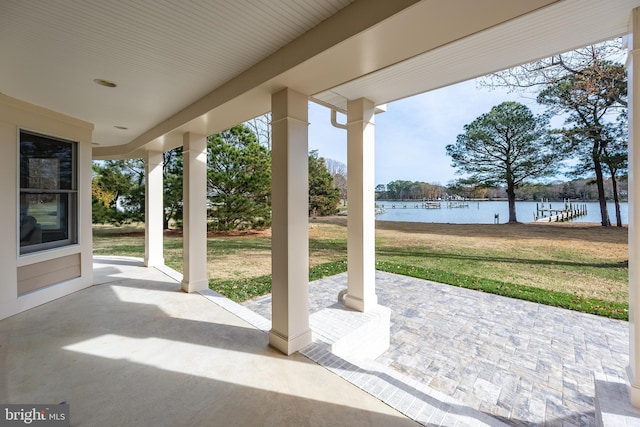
(412, 134)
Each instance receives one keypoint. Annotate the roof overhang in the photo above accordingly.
(202, 80)
(560, 27)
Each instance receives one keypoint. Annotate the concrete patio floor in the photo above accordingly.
(134, 350)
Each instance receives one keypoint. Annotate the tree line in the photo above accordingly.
(583, 189)
(238, 183)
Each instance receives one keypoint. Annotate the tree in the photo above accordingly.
(323, 196)
(591, 87)
(616, 159)
(238, 180)
(399, 189)
(261, 128)
(118, 191)
(118, 188)
(507, 145)
(597, 141)
(381, 191)
(538, 74)
(468, 188)
(172, 177)
(134, 203)
(338, 171)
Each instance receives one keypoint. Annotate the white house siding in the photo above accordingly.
(17, 115)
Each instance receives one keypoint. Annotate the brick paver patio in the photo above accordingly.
(520, 362)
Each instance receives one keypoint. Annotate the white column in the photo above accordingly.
(290, 218)
(361, 251)
(153, 210)
(194, 212)
(634, 208)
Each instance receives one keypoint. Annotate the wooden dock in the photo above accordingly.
(421, 205)
(569, 211)
(425, 205)
(455, 205)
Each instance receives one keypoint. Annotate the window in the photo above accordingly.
(48, 193)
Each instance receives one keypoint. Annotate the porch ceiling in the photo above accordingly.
(163, 54)
(209, 65)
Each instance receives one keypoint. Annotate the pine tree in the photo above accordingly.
(239, 180)
(323, 196)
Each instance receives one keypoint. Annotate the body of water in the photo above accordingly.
(484, 212)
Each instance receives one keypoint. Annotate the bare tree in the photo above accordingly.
(532, 77)
(261, 127)
(338, 171)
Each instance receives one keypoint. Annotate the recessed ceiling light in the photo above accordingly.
(105, 83)
(121, 127)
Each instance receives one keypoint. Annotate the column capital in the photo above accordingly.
(288, 103)
(191, 138)
(632, 40)
(360, 110)
(153, 157)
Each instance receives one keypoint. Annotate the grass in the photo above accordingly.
(246, 288)
(579, 267)
(553, 298)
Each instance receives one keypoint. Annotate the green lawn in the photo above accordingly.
(575, 268)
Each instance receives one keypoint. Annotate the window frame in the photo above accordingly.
(72, 225)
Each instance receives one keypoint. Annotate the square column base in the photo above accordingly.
(613, 402)
(195, 286)
(353, 334)
(359, 304)
(154, 262)
(289, 346)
